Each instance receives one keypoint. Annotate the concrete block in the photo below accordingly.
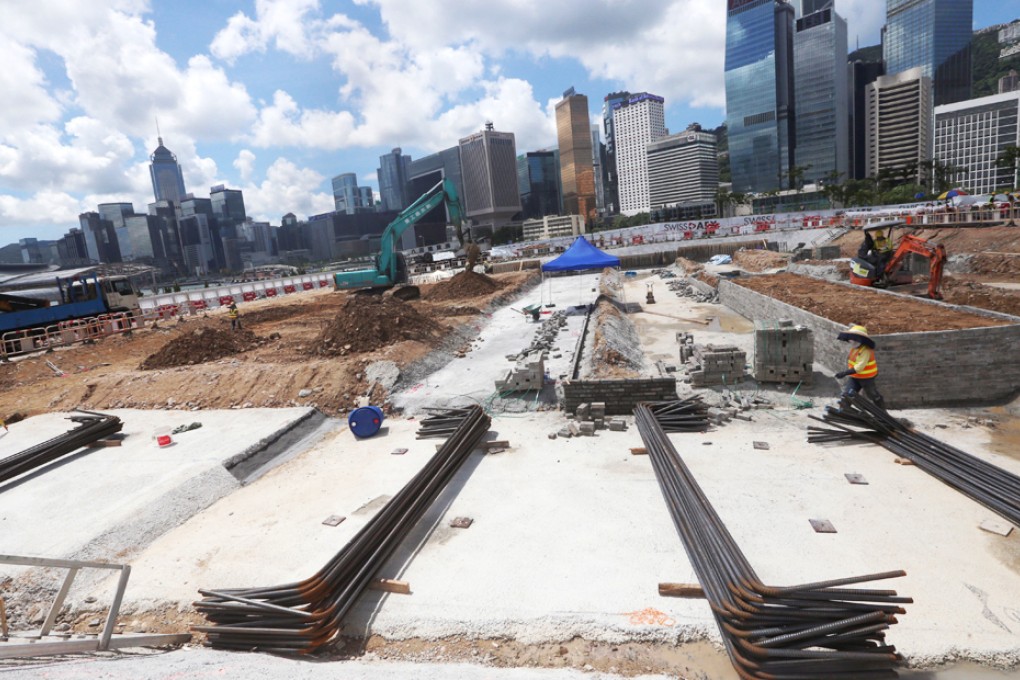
(617, 425)
(587, 428)
(583, 411)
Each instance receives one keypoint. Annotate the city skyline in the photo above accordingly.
(276, 98)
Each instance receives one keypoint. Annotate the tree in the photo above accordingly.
(1010, 159)
(795, 176)
(833, 188)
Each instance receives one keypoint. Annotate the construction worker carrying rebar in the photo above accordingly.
(235, 317)
(862, 367)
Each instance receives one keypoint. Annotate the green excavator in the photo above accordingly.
(390, 267)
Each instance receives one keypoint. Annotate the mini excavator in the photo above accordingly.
(885, 272)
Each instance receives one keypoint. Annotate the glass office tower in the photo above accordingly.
(166, 174)
(820, 75)
(934, 35)
(759, 93)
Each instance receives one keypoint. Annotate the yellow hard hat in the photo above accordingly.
(858, 333)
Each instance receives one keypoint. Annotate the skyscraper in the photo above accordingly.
(610, 178)
(972, 135)
(598, 159)
(636, 122)
(394, 173)
(759, 93)
(577, 171)
(683, 169)
(538, 180)
(166, 174)
(488, 161)
(820, 77)
(935, 36)
(345, 192)
(899, 124)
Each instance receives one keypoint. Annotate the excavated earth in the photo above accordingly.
(281, 354)
(367, 322)
(463, 285)
(845, 305)
(760, 260)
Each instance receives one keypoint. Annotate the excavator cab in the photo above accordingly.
(881, 270)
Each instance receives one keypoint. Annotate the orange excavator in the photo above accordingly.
(873, 268)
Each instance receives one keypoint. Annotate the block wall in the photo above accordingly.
(620, 396)
(976, 366)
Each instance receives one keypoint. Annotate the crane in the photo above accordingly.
(864, 274)
(390, 268)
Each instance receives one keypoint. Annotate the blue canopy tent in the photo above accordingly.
(580, 256)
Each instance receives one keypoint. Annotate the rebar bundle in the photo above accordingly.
(685, 415)
(305, 616)
(813, 630)
(91, 428)
(991, 486)
(442, 423)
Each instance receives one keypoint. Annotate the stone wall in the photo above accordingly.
(620, 396)
(976, 366)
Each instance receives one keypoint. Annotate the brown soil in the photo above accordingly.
(690, 267)
(881, 313)
(760, 260)
(106, 374)
(199, 345)
(957, 240)
(705, 277)
(614, 343)
(466, 284)
(368, 322)
(973, 294)
(995, 263)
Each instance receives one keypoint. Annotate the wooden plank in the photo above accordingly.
(688, 590)
(390, 585)
(103, 443)
(496, 444)
(904, 461)
(638, 451)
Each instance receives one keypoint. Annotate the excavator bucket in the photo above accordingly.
(406, 293)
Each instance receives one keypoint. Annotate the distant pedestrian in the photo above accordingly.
(235, 317)
(862, 367)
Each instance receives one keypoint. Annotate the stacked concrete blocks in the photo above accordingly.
(716, 365)
(528, 375)
(783, 352)
(588, 418)
(619, 396)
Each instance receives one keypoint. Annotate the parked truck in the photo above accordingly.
(77, 297)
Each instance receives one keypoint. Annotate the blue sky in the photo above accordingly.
(274, 97)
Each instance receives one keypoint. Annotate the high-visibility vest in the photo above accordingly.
(870, 369)
(232, 313)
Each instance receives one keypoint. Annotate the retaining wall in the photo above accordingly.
(975, 366)
(620, 396)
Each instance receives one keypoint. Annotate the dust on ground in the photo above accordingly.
(845, 304)
(760, 260)
(286, 371)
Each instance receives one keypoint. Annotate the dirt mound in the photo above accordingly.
(466, 284)
(760, 260)
(200, 345)
(689, 267)
(368, 323)
(881, 313)
(977, 295)
(616, 349)
(995, 263)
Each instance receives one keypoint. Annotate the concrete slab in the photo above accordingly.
(105, 503)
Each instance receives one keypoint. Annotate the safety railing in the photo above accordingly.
(42, 643)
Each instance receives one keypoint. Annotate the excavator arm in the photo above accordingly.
(936, 253)
(388, 267)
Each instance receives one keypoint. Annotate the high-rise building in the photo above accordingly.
(683, 169)
(345, 192)
(366, 200)
(760, 117)
(100, 238)
(141, 239)
(820, 78)
(227, 204)
(426, 173)
(860, 74)
(394, 174)
(1009, 82)
(935, 36)
(598, 160)
(610, 178)
(538, 182)
(899, 123)
(577, 171)
(72, 250)
(636, 122)
(971, 136)
(166, 174)
(488, 161)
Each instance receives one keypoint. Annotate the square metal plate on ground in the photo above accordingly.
(333, 520)
(761, 446)
(996, 526)
(855, 478)
(398, 452)
(822, 526)
(461, 522)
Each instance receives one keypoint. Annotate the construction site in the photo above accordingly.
(534, 472)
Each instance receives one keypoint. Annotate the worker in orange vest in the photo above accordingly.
(862, 367)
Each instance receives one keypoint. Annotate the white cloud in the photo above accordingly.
(280, 22)
(42, 208)
(284, 123)
(286, 189)
(245, 164)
